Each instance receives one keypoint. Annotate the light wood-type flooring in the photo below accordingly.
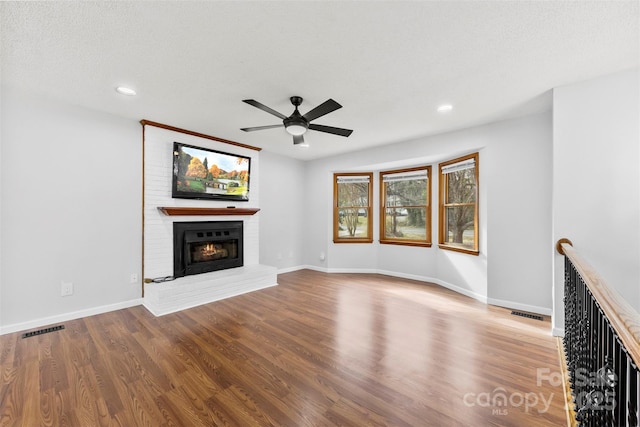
(317, 350)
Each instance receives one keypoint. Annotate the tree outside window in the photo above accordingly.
(405, 213)
(352, 221)
(459, 204)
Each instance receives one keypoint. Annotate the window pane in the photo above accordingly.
(406, 193)
(353, 223)
(409, 223)
(353, 194)
(461, 186)
(459, 229)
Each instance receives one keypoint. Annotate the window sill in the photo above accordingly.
(353, 241)
(405, 243)
(459, 249)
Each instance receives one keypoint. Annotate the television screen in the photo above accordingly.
(201, 173)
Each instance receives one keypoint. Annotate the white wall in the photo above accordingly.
(71, 210)
(596, 200)
(519, 181)
(515, 215)
(283, 225)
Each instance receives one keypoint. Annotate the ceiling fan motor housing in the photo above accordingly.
(296, 119)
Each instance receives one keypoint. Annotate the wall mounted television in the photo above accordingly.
(202, 173)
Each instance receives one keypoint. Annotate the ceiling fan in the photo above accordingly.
(297, 124)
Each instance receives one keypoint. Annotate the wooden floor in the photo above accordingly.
(317, 350)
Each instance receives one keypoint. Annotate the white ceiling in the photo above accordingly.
(390, 64)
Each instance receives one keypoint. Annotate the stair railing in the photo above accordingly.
(601, 347)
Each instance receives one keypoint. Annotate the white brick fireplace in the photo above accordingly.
(185, 292)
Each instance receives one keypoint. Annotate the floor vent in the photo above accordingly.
(528, 315)
(42, 331)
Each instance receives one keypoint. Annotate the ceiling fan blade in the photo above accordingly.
(298, 139)
(264, 108)
(261, 128)
(331, 129)
(322, 109)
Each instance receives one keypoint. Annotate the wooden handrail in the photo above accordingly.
(623, 318)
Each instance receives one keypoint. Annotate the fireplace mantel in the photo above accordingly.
(180, 210)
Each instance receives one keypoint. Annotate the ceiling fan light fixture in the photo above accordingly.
(295, 129)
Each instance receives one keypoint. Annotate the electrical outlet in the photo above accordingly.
(133, 278)
(66, 289)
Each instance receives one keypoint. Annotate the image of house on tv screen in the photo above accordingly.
(202, 173)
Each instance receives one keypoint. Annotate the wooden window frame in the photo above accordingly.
(442, 206)
(369, 208)
(427, 206)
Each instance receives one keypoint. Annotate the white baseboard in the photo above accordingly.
(44, 321)
(471, 294)
(301, 267)
(353, 270)
(557, 332)
(522, 307)
(463, 291)
(450, 286)
(314, 268)
(439, 282)
(329, 270)
(292, 269)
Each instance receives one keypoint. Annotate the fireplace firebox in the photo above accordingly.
(204, 246)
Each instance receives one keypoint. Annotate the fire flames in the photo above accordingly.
(209, 250)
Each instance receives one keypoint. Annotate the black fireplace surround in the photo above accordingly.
(204, 246)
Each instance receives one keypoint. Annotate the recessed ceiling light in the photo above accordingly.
(445, 108)
(304, 145)
(125, 91)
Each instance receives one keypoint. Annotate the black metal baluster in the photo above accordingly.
(633, 401)
(619, 413)
(582, 410)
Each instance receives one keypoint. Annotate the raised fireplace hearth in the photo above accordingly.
(205, 246)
